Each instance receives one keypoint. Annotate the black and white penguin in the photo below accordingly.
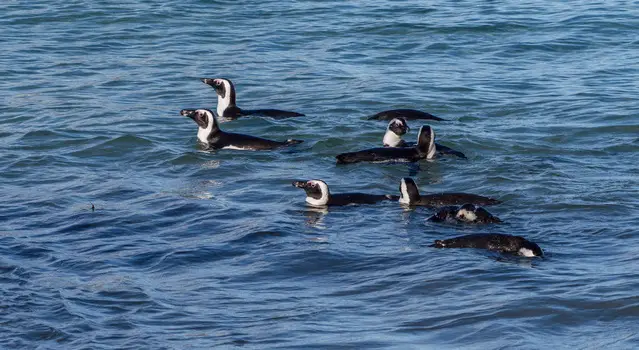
(496, 242)
(210, 134)
(226, 107)
(409, 195)
(393, 136)
(398, 127)
(408, 114)
(425, 149)
(318, 194)
(467, 213)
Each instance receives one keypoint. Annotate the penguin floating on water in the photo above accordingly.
(408, 114)
(227, 109)
(410, 196)
(318, 194)
(210, 134)
(467, 213)
(495, 242)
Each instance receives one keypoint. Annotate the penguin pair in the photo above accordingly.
(397, 150)
(319, 195)
(209, 132)
(398, 127)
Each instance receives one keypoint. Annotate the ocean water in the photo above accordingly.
(190, 249)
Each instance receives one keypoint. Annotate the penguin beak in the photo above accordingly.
(208, 81)
(188, 113)
(300, 184)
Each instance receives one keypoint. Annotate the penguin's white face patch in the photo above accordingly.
(203, 133)
(526, 252)
(466, 215)
(322, 187)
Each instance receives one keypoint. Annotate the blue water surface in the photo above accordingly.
(189, 249)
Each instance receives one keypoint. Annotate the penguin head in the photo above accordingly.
(408, 191)
(483, 216)
(466, 213)
(444, 214)
(223, 87)
(317, 192)
(398, 126)
(225, 92)
(205, 120)
(529, 249)
(426, 141)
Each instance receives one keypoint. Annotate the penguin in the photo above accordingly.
(393, 136)
(210, 134)
(425, 149)
(409, 195)
(467, 213)
(318, 195)
(398, 127)
(496, 242)
(408, 114)
(227, 109)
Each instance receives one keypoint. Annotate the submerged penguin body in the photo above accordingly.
(495, 242)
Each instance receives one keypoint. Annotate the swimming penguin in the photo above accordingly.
(408, 114)
(317, 194)
(425, 149)
(398, 127)
(227, 109)
(467, 213)
(410, 196)
(393, 136)
(496, 242)
(210, 134)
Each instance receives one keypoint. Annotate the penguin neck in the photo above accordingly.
(428, 149)
(431, 151)
(203, 134)
(408, 197)
(223, 103)
(391, 139)
(319, 202)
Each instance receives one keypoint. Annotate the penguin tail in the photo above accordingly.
(291, 142)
